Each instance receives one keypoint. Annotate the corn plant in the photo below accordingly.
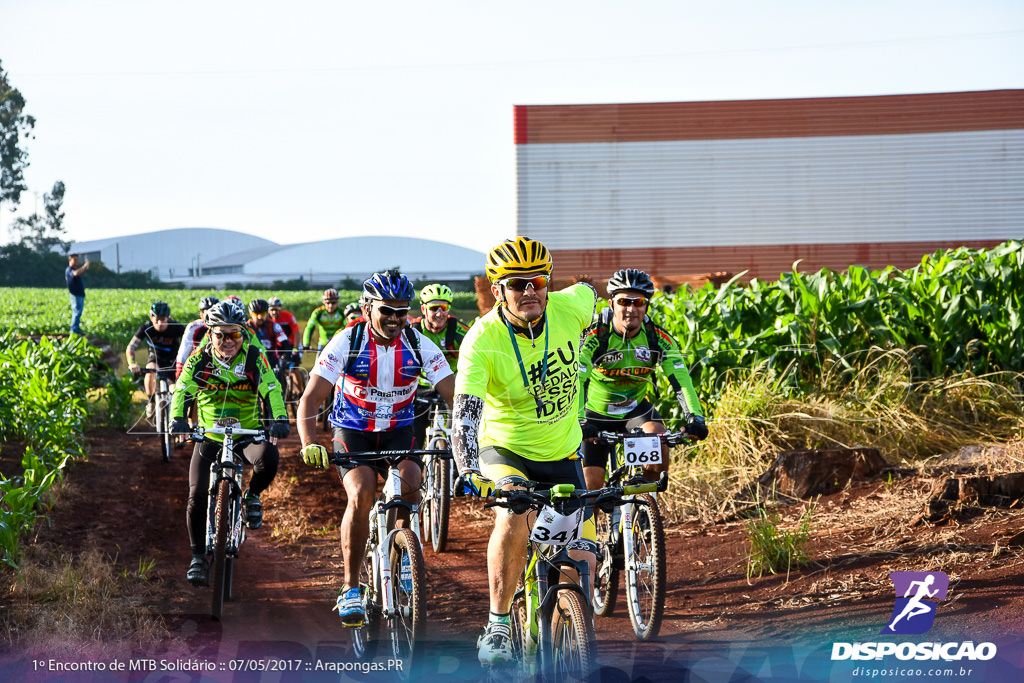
(957, 311)
(43, 386)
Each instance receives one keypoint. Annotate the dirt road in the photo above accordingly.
(127, 502)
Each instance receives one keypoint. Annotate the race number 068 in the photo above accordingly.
(642, 450)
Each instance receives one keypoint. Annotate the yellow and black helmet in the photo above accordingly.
(515, 257)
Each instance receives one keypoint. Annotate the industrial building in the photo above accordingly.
(696, 187)
(211, 258)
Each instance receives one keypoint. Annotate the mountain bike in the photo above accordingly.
(162, 407)
(438, 475)
(552, 631)
(295, 380)
(225, 524)
(396, 610)
(632, 537)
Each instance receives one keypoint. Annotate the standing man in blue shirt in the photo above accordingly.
(76, 290)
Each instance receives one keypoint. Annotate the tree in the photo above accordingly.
(44, 234)
(14, 123)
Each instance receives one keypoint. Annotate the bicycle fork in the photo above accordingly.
(236, 536)
(382, 552)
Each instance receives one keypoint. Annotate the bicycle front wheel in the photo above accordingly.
(606, 583)
(439, 503)
(365, 638)
(645, 576)
(574, 649)
(222, 524)
(409, 584)
(163, 419)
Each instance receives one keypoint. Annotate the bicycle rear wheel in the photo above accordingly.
(162, 407)
(408, 623)
(606, 583)
(574, 649)
(439, 502)
(220, 542)
(296, 386)
(366, 638)
(645, 580)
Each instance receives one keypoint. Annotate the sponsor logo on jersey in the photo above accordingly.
(239, 370)
(642, 354)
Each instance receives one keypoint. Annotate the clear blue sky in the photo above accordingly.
(312, 119)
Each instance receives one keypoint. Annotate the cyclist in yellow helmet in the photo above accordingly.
(444, 329)
(517, 411)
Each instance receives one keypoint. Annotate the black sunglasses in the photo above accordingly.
(389, 311)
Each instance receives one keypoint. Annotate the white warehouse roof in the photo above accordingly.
(208, 257)
(328, 261)
(167, 254)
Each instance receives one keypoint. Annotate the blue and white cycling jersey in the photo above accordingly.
(378, 395)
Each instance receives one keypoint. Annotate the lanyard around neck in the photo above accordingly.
(519, 356)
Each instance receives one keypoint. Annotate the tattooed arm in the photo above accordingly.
(466, 417)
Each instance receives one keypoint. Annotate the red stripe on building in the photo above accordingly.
(826, 116)
(521, 117)
(765, 262)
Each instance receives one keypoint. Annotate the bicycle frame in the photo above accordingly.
(541, 585)
(380, 544)
(227, 468)
(162, 408)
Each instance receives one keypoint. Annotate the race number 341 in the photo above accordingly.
(642, 450)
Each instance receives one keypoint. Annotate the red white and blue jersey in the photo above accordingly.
(378, 394)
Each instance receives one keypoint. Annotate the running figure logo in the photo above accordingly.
(914, 612)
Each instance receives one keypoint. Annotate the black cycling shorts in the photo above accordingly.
(596, 454)
(354, 440)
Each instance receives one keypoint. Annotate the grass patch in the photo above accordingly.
(874, 404)
(83, 606)
(774, 549)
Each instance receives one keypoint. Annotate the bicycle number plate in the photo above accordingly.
(556, 529)
(394, 483)
(642, 450)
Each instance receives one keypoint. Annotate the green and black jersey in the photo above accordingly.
(449, 339)
(623, 374)
(233, 389)
(324, 324)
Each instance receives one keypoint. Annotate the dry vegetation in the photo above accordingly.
(86, 605)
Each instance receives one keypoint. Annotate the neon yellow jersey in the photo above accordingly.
(539, 422)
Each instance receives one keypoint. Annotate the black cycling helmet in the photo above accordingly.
(352, 308)
(630, 278)
(207, 302)
(226, 313)
(257, 306)
(160, 309)
(390, 285)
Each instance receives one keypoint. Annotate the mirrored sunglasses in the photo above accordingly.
(353, 316)
(437, 307)
(519, 284)
(388, 311)
(626, 301)
(232, 336)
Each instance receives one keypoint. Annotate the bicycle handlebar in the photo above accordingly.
(521, 500)
(390, 456)
(668, 438)
(199, 432)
